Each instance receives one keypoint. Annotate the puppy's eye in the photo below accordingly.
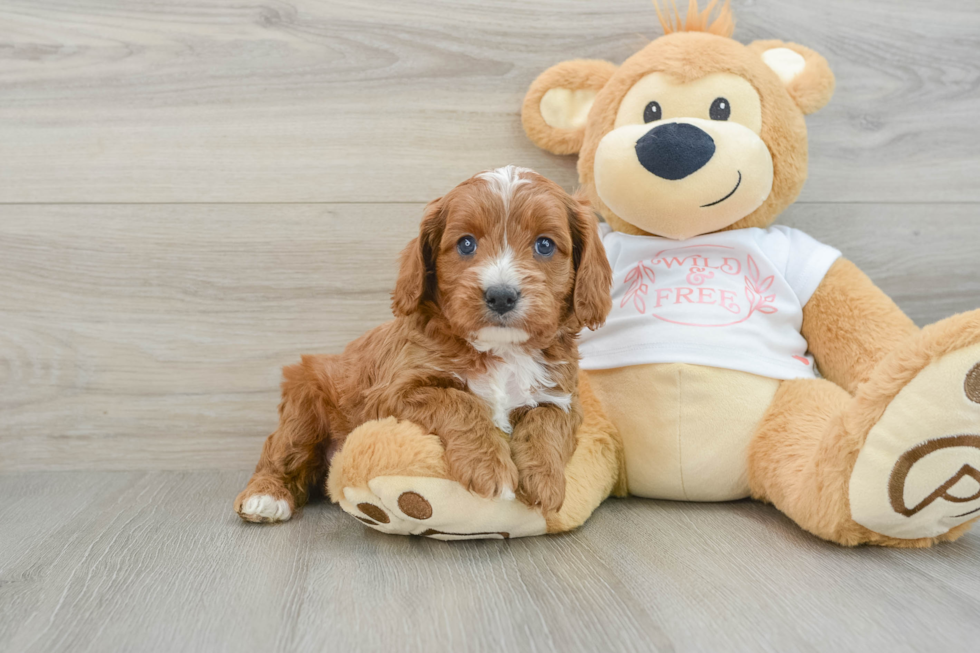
(466, 245)
(720, 109)
(544, 246)
(652, 112)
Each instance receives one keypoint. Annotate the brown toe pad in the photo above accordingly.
(414, 505)
(972, 384)
(374, 512)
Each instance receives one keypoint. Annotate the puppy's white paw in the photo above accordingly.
(264, 508)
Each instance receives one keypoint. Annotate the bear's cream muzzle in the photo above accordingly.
(685, 177)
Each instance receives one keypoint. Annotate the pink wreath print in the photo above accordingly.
(755, 290)
(636, 289)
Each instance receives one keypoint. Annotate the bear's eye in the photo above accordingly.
(652, 112)
(720, 109)
(466, 245)
(544, 246)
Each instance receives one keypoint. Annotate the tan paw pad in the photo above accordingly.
(442, 509)
(438, 508)
(918, 474)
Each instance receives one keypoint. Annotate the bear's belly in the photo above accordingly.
(685, 428)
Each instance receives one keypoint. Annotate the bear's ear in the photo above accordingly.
(805, 73)
(557, 105)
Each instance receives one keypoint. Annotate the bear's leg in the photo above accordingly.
(393, 477)
(898, 464)
(799, 461)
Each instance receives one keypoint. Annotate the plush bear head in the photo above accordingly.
(693, 134)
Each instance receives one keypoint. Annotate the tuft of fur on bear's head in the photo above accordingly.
(723, 24)
(695, 133)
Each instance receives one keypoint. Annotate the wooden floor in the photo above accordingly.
(133, 561)
(194, 192)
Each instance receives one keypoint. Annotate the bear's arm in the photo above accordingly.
(850, 325)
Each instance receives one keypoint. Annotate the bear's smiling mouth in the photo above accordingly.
(737, 184)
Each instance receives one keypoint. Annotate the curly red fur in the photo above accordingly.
(421, 365)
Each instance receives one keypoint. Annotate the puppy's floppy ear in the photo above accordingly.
(591, 301)
(417, 276)
(805, 74)
(557, 105)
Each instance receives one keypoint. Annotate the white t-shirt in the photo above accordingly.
(732, 300)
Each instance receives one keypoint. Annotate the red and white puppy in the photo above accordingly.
(505, 272)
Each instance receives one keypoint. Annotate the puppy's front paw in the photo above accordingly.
(542, 486)
(486, 470)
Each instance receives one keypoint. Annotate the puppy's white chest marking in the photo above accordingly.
(519, 380)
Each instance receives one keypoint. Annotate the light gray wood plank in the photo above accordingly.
(394, 100)
(145, 328)
(151, 336)
(158, 562)
(743, 577)
(42, 518)
(924, 256)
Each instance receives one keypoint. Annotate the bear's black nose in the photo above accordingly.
(675, 150)
(501, 299)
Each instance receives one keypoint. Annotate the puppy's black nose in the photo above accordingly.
(501, 299)
(675, 150)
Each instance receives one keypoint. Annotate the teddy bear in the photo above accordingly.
(741, 358)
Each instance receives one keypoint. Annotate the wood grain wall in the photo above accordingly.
(192, 193)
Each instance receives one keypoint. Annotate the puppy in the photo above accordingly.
(490, 297)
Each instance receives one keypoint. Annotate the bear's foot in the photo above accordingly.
(918, 473)
(392, 476)
(438, 508)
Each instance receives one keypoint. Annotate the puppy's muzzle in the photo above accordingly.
(501, 299)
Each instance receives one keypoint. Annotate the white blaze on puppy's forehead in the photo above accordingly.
(500, 271)
(504, 181)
